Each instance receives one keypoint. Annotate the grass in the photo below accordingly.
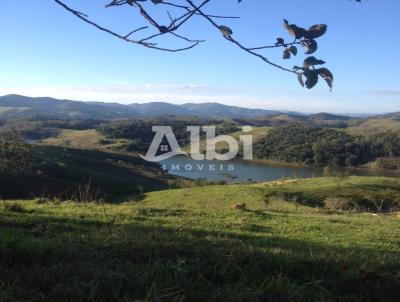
(257, 133)
(374, 125)
(75, 139)
(315, 191)
(85, 139)
(189, 245)
(64, 170)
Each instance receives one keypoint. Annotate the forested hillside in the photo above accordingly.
(325, 146)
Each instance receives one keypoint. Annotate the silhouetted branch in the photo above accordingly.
(126, 38)
(179, 15)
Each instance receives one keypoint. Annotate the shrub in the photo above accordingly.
(384, 200)
(388, 163)
(105, 142)
(336, 203)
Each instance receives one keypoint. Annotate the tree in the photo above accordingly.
(16, 156)
(182, 12)
(383, 199)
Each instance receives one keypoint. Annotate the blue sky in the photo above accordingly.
(45, 51)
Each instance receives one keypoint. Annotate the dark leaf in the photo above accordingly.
(163, 29)
(279, 41)
(311, 46)
(294, 30)
(327, 75)
(300, 78)
(226, 31)
(316, 31)
(293, 50)
(312, 78)
(312, 61)
(286, 54)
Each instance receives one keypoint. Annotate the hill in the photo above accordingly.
(377, 125)
(190, 245)
(329, 116)
(69, 173)
(219, 110)
(17, 106)
(392, 116)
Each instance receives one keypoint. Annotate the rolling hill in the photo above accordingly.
(67, 173)
(10, 108)
(190, 245)
(17, 106)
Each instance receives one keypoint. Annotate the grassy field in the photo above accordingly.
(316, 191)
(257, 133)
(374, 125)
(75, 139)
(85, 139)
(190, 245)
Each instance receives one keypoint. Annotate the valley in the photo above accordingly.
(315, 215)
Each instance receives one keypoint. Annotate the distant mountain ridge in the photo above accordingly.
(18, 106)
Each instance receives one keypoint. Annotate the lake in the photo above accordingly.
(235, 171)
(244, 171)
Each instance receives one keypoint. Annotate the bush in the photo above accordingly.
(388, 163)
(105, 142)
(384, 200)
(335, 203)
(299, 198)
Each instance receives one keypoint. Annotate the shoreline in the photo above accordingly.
(278, 163)
(302, 165)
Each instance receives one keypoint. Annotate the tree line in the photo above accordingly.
(325, 146)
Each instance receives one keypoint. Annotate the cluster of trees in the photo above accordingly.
(325, 147)
(141, 134)
(17, 162)
(16, 156)
(320, 120)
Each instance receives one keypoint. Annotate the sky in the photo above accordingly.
(46, 51)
